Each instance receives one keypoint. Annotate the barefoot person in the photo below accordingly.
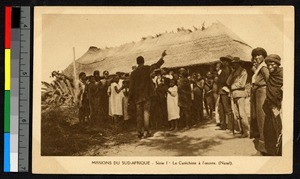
(82, 98)
(141, 89)
(115, 100)
(258, 96)
(185, 98)
(172, 105)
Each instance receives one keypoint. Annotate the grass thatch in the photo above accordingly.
(184, 48)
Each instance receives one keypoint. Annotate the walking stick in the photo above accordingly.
(234, 115)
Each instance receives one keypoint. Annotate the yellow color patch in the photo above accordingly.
(7, 69)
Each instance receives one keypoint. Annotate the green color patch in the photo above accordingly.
(7, 111)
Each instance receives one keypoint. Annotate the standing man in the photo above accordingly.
(92, 92)
(185, 97)
(226, 115)
(103, 104)
(141, 89)
(258, 97)
(272, 107)
(82, 97)
(237, 82)
(96, 75)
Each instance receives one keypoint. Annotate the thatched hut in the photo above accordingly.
(195, 50)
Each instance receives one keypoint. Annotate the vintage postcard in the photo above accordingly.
(163, 90)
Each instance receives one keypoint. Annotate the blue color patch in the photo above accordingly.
(6, 152)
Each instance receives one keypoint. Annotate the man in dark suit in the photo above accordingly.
(226, 117)
(141, 90)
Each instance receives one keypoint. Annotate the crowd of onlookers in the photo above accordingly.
(152, 97)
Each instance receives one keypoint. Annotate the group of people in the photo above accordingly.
(154, 97)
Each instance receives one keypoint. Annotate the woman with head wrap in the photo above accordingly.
(272, 106)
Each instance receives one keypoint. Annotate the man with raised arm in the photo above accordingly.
(141, 90)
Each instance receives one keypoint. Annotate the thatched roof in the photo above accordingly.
(184, 48)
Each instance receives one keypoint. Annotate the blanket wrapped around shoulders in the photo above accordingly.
(274, 87)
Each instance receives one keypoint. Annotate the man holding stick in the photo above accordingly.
(237, 83)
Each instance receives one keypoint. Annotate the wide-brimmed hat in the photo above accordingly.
(227, 58)
(236, 60)
(120, 73)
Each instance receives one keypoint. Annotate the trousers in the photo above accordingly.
(225, 112)
(257, 121)
(142, 116)
(239, 104)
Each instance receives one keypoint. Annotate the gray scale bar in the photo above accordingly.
(14, 98)
(25, 53)
(24, 90)
(14, 90)
(25, 18)
(23, 148)
(24, 100)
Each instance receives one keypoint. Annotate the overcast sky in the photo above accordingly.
(63, 32)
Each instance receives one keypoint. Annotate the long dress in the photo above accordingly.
(172, 104)
(115, 100)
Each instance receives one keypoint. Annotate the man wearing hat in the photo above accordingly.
(237, 82)
(258, 96)
(226, 115)
(272, 106)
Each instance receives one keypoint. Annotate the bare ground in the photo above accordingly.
(203, 139)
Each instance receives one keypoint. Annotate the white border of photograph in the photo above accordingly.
(240, 164)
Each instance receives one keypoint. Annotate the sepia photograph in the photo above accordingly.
(162, 89)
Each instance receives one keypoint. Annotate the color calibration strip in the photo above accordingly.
(17, 92)
(8, 11)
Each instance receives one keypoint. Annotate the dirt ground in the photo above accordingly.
(203, 139)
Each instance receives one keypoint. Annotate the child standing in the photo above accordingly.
(208, 94)
(172, 105)
(116, 100)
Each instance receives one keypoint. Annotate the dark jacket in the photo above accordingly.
(141, 86)
(184, 93)
(226, 71)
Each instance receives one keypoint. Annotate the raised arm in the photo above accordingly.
(160, 62)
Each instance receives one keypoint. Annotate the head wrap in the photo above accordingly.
(259, 51)
(273, 58)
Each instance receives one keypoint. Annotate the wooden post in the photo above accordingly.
(74, 66)
(75, 77)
